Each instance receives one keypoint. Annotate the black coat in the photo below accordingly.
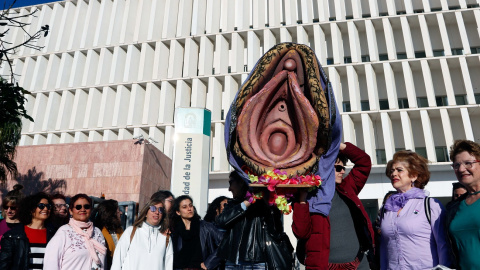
(15, 251)
(210, 238)
(244, 237)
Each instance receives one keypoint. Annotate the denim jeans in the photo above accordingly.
(246, 266)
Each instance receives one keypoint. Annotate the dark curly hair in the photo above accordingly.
(105, 215)
(29, 205)
(174, 217)
(212, 209)
(460, 146)
(416, 166)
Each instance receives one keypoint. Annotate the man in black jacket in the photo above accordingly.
(243, 242)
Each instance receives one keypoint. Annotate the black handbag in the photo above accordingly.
(278, 250)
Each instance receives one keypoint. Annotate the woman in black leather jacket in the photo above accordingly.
(23, 247)
(244, 242)
(195, 241)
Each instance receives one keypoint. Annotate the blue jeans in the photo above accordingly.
(246, 266)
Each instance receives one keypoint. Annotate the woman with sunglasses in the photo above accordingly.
(23, 247)
(411, 223)
(10, 213)
(146, 245)
(463, 220)
(78, 244)
(195, 241)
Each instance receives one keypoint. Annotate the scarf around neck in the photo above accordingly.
(398, 200)
(91, 244)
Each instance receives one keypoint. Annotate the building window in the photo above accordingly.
(422, 151)
(401, 12)
(461, 99)
(403, 103)
(457, 52)
(436, 9)
(350, 17)
(365, 58)
(420, 55)
(329, 61)
(475, 49)
(366, 16)
(245, 68)
(454, 7)
(401, 56)
(299, 22)
(437, 53)
(442, 153)
(365, 105)
(229, 69)
(222, 115)
(383, 57)
(422, 102)
(384, 104)
(332, 19)
(347, 60)
(473, 5)
(418, 11)
(212, 167)
(441, 101)
(381, 156)
(383, 14)
(346, 106)
(477, 98)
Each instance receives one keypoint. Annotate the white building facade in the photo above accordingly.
(405, 72)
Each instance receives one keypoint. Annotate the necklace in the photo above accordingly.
(474, 193)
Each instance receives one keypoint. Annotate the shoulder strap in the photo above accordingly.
(428, 213)
(133, 233)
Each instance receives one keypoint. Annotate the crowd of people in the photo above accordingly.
(412, 230)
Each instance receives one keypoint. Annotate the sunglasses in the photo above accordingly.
(79, 206)
(42, 206)
(339, 168)
(58, 206)
(161, 210)
(5, 207)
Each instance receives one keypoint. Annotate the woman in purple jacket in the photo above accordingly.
(409, 240)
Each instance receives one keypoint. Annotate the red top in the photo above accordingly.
(36, 236)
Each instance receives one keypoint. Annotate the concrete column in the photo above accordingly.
(302, 36)
(447, 127)
(443, 33)
(227, 23)
(199, 94)
(136, 105)
(427, 78)
(205, 63)
(307, 11)
(467, 124)
(388, 139)
(90, 68)
(425, 35)
(183, 94)
(357, 9)
(93, 107)
(463, 32)
(372, 89)
(323, 11)
(348, 129)
(221, 161)
(167, 97)
(447, 80)
(132, 63)
(409, 85)
(52, 138)
(51, 112)
(175, 61)
(371, 39)
(39, 139)
(242, 14)
(38, 112)
(214, 98)
(104, 64)
(274, 13)
(170, 18)
(354, 39)
(94, 136)
(221, 55)
(78, 110)
(120, 109)
(337, 43)
(253, 51)
(391, 86)
(86, 39)
(124, 134)
(66, 137)
(320, 44)
(152, 104)
(337, 86)
(467, 80)
(408, 6)
(155, 24)
(147, 56)
(391, 7)
(407, 131)
(38, 76)
(118, 65)
(116, 19)
(369, 136)
(56, 16)
(160, 67)
(158, 135)
(184, 22)
(353, 89)
(80, 137)
(407, 37)
(427, 133)
(340, 10)
(426, 5)
(110, 135)
(102, 27)
(198, 17)
(190, 62)
(65, 110)
(238, 47)
(169, 137)
(77, 26)
(230, 89)
(290, 12)
(78, 66)
(373, 8)
(105, 116)
(285, 35)
(213, 16)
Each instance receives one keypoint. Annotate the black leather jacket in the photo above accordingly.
(244, 239)
(210, 238)
(15, 251)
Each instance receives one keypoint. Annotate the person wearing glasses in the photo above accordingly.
(463, 219)
(78, 244)
(107, 217)
(60, 214)
(23, 247)
(412, 234)
(344, 241)
(145, 245)
(195, 241)
(167, 198)
(10, 210)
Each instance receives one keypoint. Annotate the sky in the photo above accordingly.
(22, 3)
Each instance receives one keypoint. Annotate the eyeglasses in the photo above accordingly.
(79, 206)
(5, 207)
(467, 164)
(339, 168)
(42, 206)
(153, 208)
(61, 205)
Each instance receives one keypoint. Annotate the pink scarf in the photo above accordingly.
(92, 244)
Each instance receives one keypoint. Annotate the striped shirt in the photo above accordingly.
(38, 243)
